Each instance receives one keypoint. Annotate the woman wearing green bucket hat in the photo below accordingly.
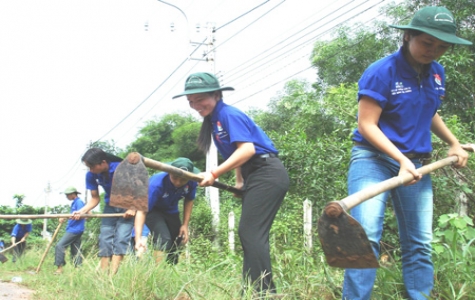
(398, 99)
(249, 151)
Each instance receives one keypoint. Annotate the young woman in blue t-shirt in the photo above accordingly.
(115, 232)
(259, 172)
(398, 99)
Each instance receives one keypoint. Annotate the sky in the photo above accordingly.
(74, 72)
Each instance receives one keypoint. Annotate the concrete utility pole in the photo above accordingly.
(45, 233)
(212, 194)
(212, 155)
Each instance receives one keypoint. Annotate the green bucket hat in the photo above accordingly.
(23, 221)
(437, 21)
(202, 82)
(185, 164)
(71, 190)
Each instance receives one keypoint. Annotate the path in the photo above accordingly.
(13, 291)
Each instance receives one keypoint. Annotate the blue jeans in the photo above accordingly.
(413, 206)
(115, 233)
(68, 239)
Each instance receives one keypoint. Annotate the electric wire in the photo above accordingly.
(273, 84)
(242, 30)
(309, 41)
(273, 47)
(75, 166)
(246, 13)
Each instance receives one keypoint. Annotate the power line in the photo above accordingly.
(185, 60)
(246, 13)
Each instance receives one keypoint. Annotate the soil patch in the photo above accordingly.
(14, 291)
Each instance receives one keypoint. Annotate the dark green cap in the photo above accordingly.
(436, 21)
(185, 164)
(202, 82)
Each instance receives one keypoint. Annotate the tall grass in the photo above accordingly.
(213, 272)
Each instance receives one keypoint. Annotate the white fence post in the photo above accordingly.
(307, 224)
(231, 231)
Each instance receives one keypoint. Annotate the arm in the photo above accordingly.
(138, 225)
(187, 208)
(13, 234)
(24, 237)
(95, 199)
(369, 113)
(239, 181)
(439, 128)
(242, 154)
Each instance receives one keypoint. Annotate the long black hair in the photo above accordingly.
(95, 156)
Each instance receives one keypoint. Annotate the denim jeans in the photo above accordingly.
(68, 239)
(413, 206)
(115, 233)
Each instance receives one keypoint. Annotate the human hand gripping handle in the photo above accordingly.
(188, 175)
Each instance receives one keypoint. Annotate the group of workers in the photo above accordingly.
(398, 101)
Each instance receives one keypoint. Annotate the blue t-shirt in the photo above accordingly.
(230, 125)
(74, 226)
(162, 194)
(93, 181)
(145, 231)
(408, 102)
(19, 231)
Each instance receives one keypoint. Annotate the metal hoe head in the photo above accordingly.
(344, 240)
(130, 184)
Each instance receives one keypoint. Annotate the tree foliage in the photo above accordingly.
(155, 139)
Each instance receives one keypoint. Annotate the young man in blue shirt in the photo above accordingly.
(163, 218)
(19, 234)
(72, 237)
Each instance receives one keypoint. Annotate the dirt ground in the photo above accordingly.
(14, 291)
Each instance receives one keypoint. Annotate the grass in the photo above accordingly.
(216, 275)
(211, 273)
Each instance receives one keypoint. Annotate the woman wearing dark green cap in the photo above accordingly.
(398, 99)
(259, 172)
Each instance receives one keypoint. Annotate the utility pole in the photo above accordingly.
(212, 194)
(212, 155)
(45, 221)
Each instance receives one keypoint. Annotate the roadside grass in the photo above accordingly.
(217, 275)
(214, 272)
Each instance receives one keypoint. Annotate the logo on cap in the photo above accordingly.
(443, 17)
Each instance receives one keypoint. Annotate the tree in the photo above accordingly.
(19, 200)
(343, 59)
(107, 146)
(155, 140)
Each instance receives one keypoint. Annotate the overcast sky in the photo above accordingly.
(71, 71)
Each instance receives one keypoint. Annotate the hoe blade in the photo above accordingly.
(345, 243)
(130, 185)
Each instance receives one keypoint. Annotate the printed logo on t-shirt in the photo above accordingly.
(221, 132)
(437, 78)
(185, 190)
(400, 89)
(165, 195)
